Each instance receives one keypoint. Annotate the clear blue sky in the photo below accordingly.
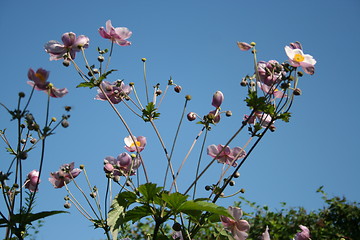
(195, 43)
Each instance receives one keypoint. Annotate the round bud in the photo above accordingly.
(116, 178)
(23, 141)
(291, 78)
(232, 183)
(67, 205)
(65, 123)
(131, 84)
(66, 198)
(177, 88)
(143, 59)
(228, 113)
(101, 58)
(285, 85)
(95, 70)
(242, 190)
(53, 119)
(158, 92)
(252, 84)
(82, 166)
(33, 140)
(300, 74)
(253, 44)
(222, 194)
(93, 194)
(207, 188)
(176, 227)
(128, 183)
(236, 175)
(272, 128)
(243, 83)
(188, 97)
(191, 116)
(66, 63)
(253, 51)
(297, 91)
(22, 126)
(23, 155)
(15, 185)
(21, 94)
(67, 108)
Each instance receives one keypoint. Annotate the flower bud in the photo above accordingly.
(228, 113)
(23, 141)
(297, 91)
(188, 97)
(253, 44)
(101, 58)
(21, 94)
(300, 74)
(243, 83)
(66, 63)
(65, 123)
(236, 175)
(272, 128)
(67, 205)
(176, 227)
(93, 195)
(33, 140)
(207, 188)
(108, 168)
(218, 98)
(158, 92)
(242, 190)
(82, 166)
(191, 116)
(67, 108)
(53, 119)
(116, 178)
(143, 59)
(285, 85)
(95, 70)
(23, 155)
(177, 88)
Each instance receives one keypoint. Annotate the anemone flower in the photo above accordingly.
(71, 45)
(115, 91)
(118, 35)
(32, 180)
(304, 234)
(140, 143)
(226, 155)
(298, 59)
(236, 226)
(66, 173)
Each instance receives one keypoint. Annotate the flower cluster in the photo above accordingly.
(115, 91)
(236, 226)
(66, 173)
(124, 165)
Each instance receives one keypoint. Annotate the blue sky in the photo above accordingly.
(195, 43)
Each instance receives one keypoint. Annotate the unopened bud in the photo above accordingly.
(66, 63)
(232, 183)
(143, 59)
(23, 155)
(95, 70)
(116, 178)
(177, 88)
(82, 166)
(253, 44)
(67, 205)
(158, 92)
(236, 175)
(15, 185)
(21, 94)
(33, 140)
(100, 58)
(300, 74)
(228, 113)
(242, 190)
(272, 128)
(67, 108)
(243, 83)
(191, 116)
(93, 194)
(176, 227)
(65, 123)
(218, 98)
(207, 188)
(297, 91)
(188, 97)
(53, 119)
(285, 85)
(23, 141)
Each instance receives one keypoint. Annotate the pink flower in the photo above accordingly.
(217, 100)
(270, 72)
(271, 90)
(123, 165)
(115, 91)
(298, 59)
(304, 234)
(71, 45)
(39, 82)
(227, 155)
(32, 181)
(266, 235)
(244, 46)
(140, 142)
(66, 173)
(263, 118)
(118, 35)
(236, 226)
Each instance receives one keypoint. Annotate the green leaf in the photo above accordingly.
(86, 84)
(190, 206)
(138, 213)
(174, 200)
(29, 218)
(149, 191)
(115, 218)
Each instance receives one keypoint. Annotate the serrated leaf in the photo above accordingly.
(115, 218)
(149, 191)
(203, 206)
(174, 200)
(137, 213)
(29, 218)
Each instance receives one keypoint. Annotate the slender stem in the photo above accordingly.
(145, 81)
(137, 97)
(109, 58)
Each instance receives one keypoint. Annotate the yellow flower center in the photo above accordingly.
(137, 144)
(40, 76)
(298, 58)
